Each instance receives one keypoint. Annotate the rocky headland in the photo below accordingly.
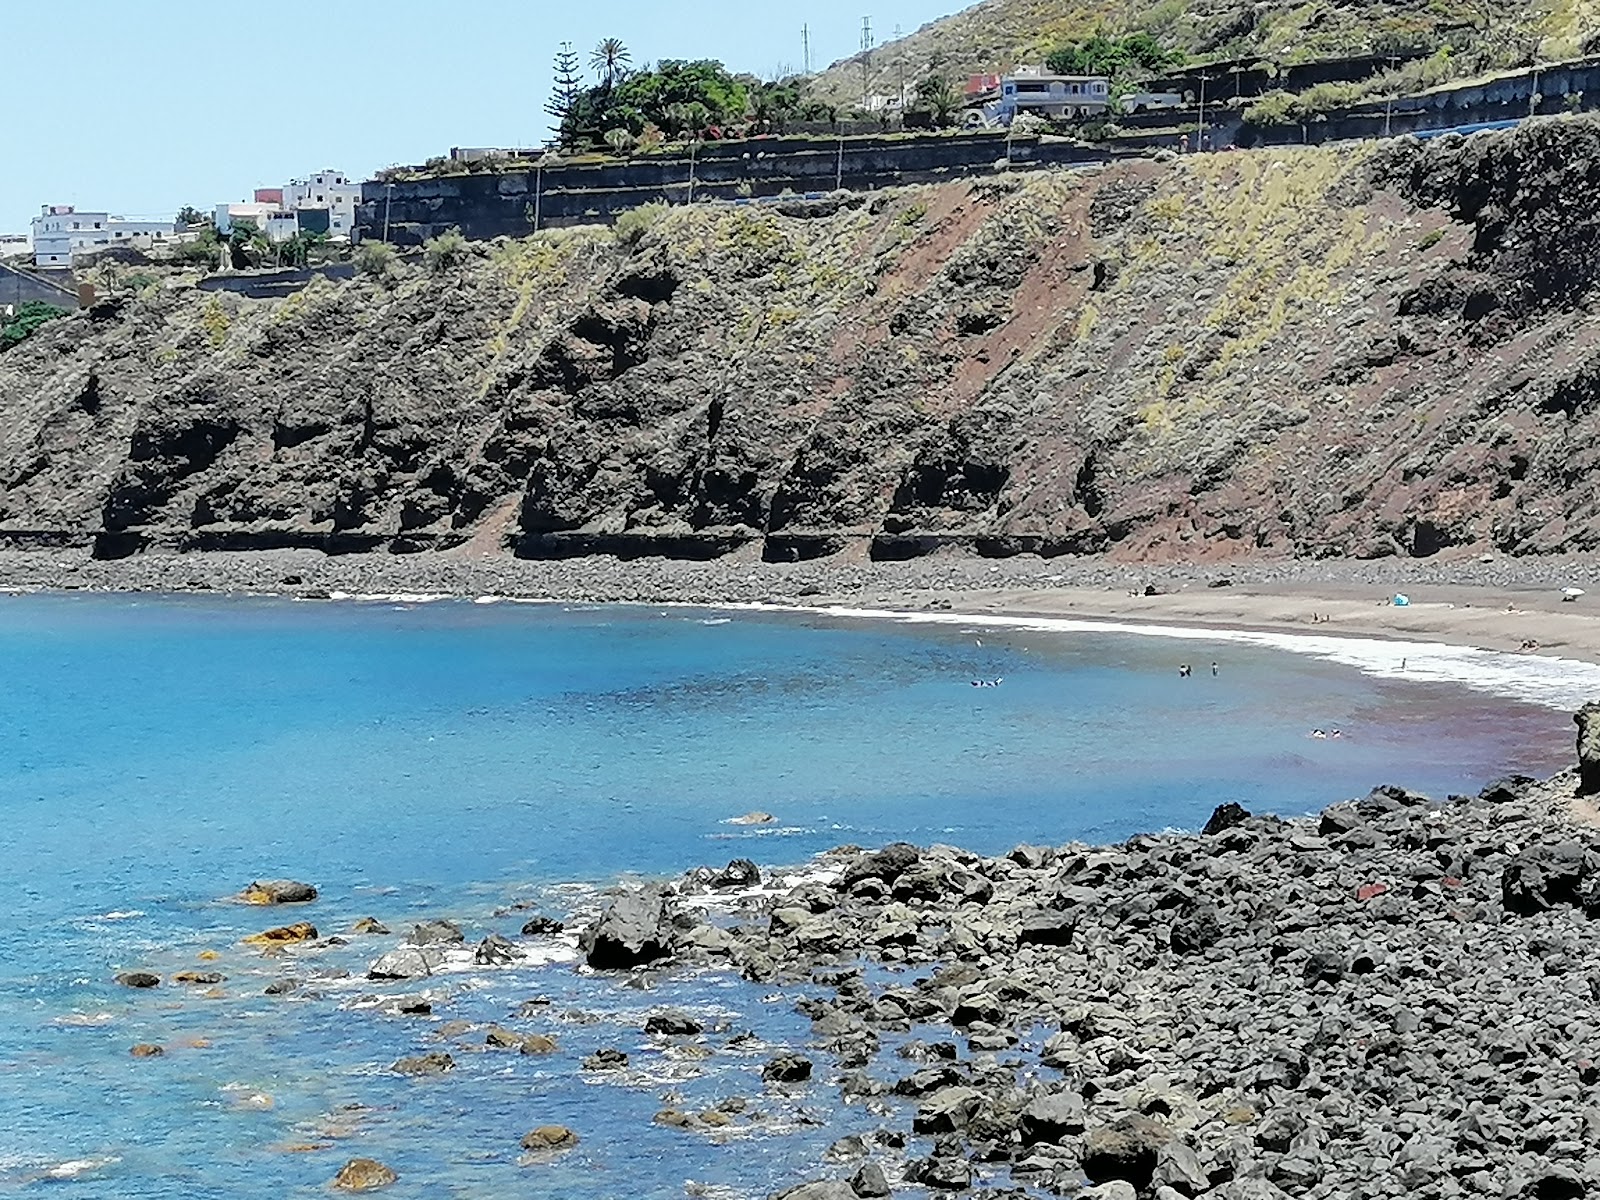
(1355, 351)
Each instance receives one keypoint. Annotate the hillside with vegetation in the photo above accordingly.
(1379, 350)
(1475, 36)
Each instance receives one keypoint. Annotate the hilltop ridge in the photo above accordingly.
(998, 34)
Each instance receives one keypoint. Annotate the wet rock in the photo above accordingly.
(284, 935)
(941, 1173)
(548, 1139)
(608, 1059)
(436, 1062)
(947, 1110)
(541, 927)
(147, 1050)
(363, 1175)
(139, 979)
(633, 930)
(407, 962)
(786, 1068)
(199, 978)
(673, 1022)
(494, 951)
(369, 925)
(740, 873)
(502, 1038)
(1507, 789)
(436, 933)
(281, 987)
(278, 891)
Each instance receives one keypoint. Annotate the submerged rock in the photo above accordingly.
(147, 1050)
(673, 1022)
(436, 1062)
(139, 979)
(364, 1175)
(278, 891)
(284, 935)
(549, 1138)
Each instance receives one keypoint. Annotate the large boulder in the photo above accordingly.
(494, 951)
(818, 1189)
(436, 933)
(407, 962)
(1128, 1149)
(436, 1062)
(1047, 927)
(139, 979)
(673, 1022)
(787, 1067)
(634, 929)
(284, 935)
(740, 873)
(1587, 719)
(549, 1139)
(278, 891)
(1052, 1118)
(1546, 875)
(947, 1110)
(888, 864)
(1226, 816)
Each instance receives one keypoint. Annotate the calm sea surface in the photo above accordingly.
(452, 759)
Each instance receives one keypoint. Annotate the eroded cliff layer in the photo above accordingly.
(1351, 350)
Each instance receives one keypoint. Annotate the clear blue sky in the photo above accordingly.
(141, 107)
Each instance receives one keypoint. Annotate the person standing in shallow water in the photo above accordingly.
(1183, 671)
(1213, 669)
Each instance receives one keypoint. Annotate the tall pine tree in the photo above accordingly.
(566, 93)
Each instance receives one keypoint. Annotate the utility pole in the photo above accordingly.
(866, 59)
(900, 60)
(1388, 106)
(805, 46)
(838, 171)
(1200, 133)
(388, 203)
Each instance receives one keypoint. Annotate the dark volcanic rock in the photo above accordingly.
(885, 865)
(634, 929)
(1047, 927)
(279, 891)
(673, 1022)
(1226, 816)
(1544, 876)
(494, 950)
(786, 1068)
(1587, 719)
(139, 979)
(1125, 1150)
(740, 873)
(436, 933)
(436, 1062)
(541, 927)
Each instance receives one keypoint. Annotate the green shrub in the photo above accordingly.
(447, 250)
(632, 225)
(1275, 108)
(1430, 239)
(26, 320)
(914, 214)
(375, 259)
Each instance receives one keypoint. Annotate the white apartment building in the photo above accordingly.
(61, 233)
(327, 189)
(15, 244)
(1032, 90)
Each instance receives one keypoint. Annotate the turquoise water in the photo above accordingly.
(450, 759)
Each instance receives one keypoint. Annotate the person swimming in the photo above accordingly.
(1319, 733)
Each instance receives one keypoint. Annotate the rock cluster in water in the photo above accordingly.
(1399, 997)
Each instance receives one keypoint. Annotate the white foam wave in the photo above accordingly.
(1560, 683)
(77, 1167)
(130, 915)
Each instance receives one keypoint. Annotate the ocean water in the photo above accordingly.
(455, 760)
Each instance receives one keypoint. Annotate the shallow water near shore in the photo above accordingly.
(456, 759)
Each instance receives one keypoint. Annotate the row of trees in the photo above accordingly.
(1117, 58)
(678, 97)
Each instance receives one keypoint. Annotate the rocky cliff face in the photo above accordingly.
(1335, 351)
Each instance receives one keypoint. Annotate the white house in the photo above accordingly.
(61, 233)
(327, 189)
(1032, 90)
(15, 244)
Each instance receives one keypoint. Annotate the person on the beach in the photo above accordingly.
(1213, 668)
(1183, 671)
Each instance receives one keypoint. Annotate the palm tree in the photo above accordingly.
(610, 61)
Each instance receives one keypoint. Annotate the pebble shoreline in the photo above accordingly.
(734, 579)
(1400, 997)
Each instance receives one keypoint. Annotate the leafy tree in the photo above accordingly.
(28, 317)
(674, 81)
(937, 95)
(247, 245)
(566, 94)
(610, 62)
(1099, 55)
(620, 141)
(190, 216)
